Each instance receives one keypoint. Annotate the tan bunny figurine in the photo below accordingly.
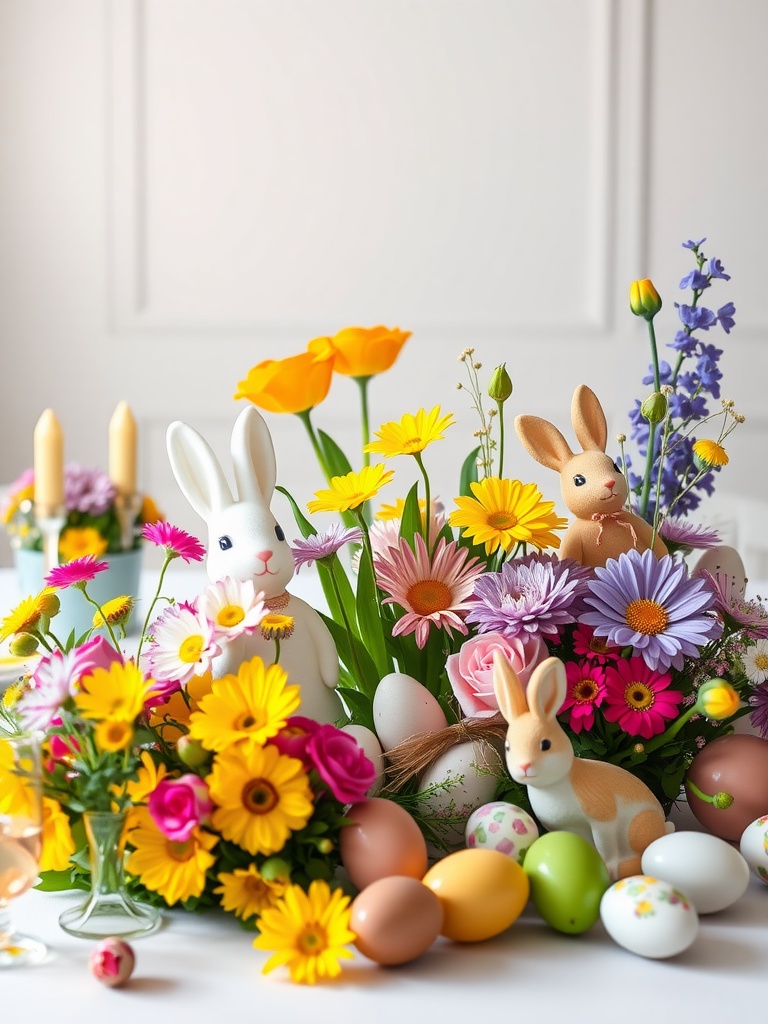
(594, 488)
(606, 805)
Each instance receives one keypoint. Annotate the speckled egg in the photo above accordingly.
(501, 826)
(754, 847)
(649, 917)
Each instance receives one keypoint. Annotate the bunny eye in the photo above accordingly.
(616, 467)
(579, 480)
(546, 744)
(279, 532)
(225, 543)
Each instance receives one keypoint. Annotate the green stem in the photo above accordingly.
(362, 383)
(170, 554)
(645, 497)
(501, 439)
(277, 650)
(100, 610)
(671, 732)
(347, 626)
(425, 522)
(317, 447)
(720, 800)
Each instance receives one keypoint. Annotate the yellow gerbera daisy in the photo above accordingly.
(351, 491)
(261, 797)
(505, 513)
(710, 454)
(388, 512)
(115, 611)
(248, 708)
(411, 435)
(77, 541)
(244, 892)
(149, 776)
(277, 627)
(25, 616)
(176, 870)
(178, 708)
(58, 844)
(15, 500)
(19, 796)
(112, 735)
(308, 932)
(117, 693)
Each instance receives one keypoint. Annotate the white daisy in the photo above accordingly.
(756, 662)
(232, 606)
(183, 645)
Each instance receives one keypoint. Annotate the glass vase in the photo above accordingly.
(109, 909)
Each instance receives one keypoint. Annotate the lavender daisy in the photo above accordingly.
(651, 605)
(87, 490)
(680, 531)
(323, 545)
(759, 717)
(748, 615)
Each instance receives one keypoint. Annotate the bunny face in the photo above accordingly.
(592, 483)
(247, 543)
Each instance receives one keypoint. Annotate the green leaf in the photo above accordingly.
(355, 656)
(54, 881)
(338, 593)
(336, 460)
(468, 473)
(360, 706)
(411, 522)
(369, 617)
(304, 525)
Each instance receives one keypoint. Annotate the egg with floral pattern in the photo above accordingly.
(501, 826)
(754, 846)
(649, 917)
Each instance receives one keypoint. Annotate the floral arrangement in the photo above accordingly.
(92, 525)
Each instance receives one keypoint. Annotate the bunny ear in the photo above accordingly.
(547, 688)
(253, 457)
(197, 470)
(543, 441)
(588, 419)
(508, 688)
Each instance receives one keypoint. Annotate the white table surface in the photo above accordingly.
(204, 968)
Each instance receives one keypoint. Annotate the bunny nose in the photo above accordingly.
(264, 555)
(610, 484)
(524, 767)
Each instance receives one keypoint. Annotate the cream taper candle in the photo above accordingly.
(122, 450)
(49, 464)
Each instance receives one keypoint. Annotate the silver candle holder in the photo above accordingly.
(50, 521)
(127, 507)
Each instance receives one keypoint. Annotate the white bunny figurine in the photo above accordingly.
(246, 542)
(606, 805)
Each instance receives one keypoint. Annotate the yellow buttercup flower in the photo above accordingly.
(504, 513)
(244, 892)
(295, 384)
(176, 870)
(308, 932)
(365, 351)
(351, 491)
(710, 454)
(411, 435)
(112, 735)
(116, 693)
(77, 541)
(58, 844)
(115, 611)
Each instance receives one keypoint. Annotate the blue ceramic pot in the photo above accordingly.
(122, 577)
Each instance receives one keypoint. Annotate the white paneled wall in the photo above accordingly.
(188, 187)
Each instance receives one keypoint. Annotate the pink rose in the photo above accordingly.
(178, 806)
(341, 763)
(293, 738)
(471, 670)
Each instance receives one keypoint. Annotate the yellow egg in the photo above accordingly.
(482, 893)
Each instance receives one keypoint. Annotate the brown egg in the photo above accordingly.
(382, 839)
(737, 765)
(395, 919)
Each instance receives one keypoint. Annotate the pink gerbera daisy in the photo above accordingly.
(434, 591)
(78, 571)
(638, 698)
(593, 648)
(177, 542)
(586, 691)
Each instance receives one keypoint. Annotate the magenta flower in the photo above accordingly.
(586, 691)
(639, 698)
(593, 648)
(341, 763)
(75, 573)
(293, 738)
(178, 806)
(322, 545)
(177, 542)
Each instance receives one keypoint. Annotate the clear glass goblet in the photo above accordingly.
(21, 832)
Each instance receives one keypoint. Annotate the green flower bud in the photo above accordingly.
(717, 700)
(23, 645)
(500, 386)
(49, 604)
(654, 408)
(275, 869)
(191, 752)
(644, 300)
(325, 846)
(722, 801)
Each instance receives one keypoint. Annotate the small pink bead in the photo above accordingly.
(112, 962)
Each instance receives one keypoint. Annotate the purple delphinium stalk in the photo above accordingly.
(87, 490)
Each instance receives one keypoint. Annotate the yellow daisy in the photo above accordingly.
(115, 611)
(710, 454)
(389, 512)
(77, 541)
(277, 627)
(244, 892)
(149, 776)
(112, 735)
(117, 693)
(247, 708)
(25, 616)
(411, 435)
(505, 513)
(261, 797)
(175, 870)
(15, 501)
(58, 845)
(351, 491)
(308, 932)
(19, 796)
(172, 716)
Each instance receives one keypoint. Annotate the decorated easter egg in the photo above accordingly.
(501, 826)
(395, 919)
(649, 917)
(112, 962)
(568, 878)
(367, 741)
(754, 846)
(470, 770)
(382, 839)
(482, 893)
(727, 782)
(403, 707)
(726, 562)
(711, 871)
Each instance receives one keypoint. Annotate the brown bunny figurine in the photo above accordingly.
(593, 487)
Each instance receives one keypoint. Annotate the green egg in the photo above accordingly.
(568, 878)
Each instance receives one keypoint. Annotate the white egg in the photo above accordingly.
(712, 873)
(372, 749)
(754, 847)
(403, 707)
(725, 561)
(501, 826)
(472, 769)
(649, 917)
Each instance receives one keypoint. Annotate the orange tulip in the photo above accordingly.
(365, 351)
(295, 384)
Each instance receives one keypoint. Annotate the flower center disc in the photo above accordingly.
(598, 646)
(180, 851)
(260, 796)
(429, 596)
(761, 662)
(639, 697)
(191, 649)
(502, 520)
(230, 615)
(585, 691)
(647, 617)
(246, 721)
(312, 940)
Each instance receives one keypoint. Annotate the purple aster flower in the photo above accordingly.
(684, 342)
(678, 530)
(759, 717)
(87, 490)
(321, 545)
(725, 316)
(530, 596)
(696, 317)
(651, 605)
(716, 269)
(693, 245)
(695, 280)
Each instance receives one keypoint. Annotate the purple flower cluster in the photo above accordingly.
(87, 490)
